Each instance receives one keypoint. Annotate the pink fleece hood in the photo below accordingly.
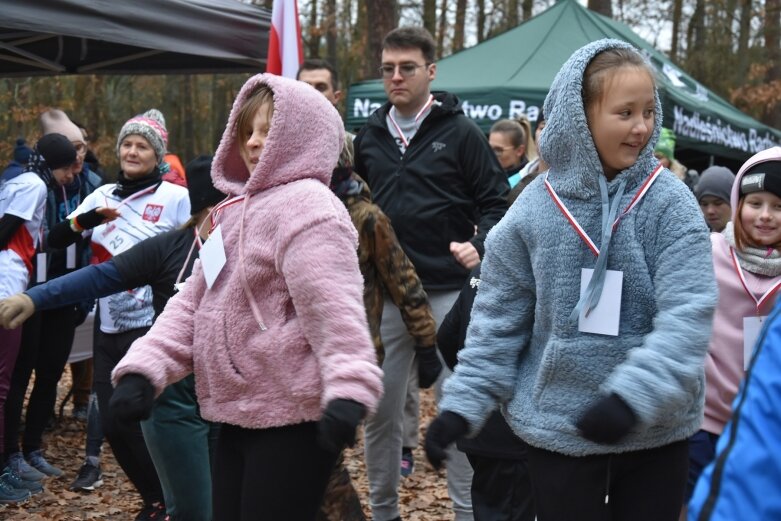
(771, 154)
(304, 139)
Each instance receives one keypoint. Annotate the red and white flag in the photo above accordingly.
(285, 52)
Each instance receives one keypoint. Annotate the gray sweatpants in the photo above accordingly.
(385, 430)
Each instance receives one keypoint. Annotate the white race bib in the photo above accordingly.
(603, 319)
(70, 257)
(40, 267)
(114, 240)
(752, 326)
(213, 256)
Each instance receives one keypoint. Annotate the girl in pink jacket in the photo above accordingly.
(747, 262)
(276, 332)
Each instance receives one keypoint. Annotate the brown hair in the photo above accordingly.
(595, 76)
(262, 95)
(411, 38)
(513, 129)
(742, 240)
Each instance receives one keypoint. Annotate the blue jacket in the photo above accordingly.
(523, 352)
(744, 480)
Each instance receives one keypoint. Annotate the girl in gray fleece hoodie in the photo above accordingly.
(591, 324)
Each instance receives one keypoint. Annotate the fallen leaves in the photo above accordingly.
(422, 496)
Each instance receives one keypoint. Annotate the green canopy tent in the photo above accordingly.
(510, 74)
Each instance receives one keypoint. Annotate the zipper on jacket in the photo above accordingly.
(718, 468)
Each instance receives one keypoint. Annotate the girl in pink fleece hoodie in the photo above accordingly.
(278, 342)
(747, 262)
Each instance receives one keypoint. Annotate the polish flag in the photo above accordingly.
(285, 52)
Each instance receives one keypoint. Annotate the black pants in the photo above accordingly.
(46, 343)
(501, 489)
(646, 485)
(125, 438)
(269, 474)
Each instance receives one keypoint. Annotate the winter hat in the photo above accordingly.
(55, 121)
(151, 126)
(22, 151)
(57, 150)
(666, 144)
(716, 181)
(199, 184)
(762, 177)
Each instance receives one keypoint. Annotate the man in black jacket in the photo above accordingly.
(433, 173)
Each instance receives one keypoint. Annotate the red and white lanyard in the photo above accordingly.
(758, 301)
(217, 210)
(134, 196)
(576, 225)
(398, 128)
(196, 240)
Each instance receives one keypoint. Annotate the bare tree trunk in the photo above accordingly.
(604, 7)
(329, 27)
(480, 20)
(458, 28)
(441, 29)
(695, 37)
(528, 5)
(512, 13)
(381, 18)
(313, 38)
(741, 71)
(772, 115)
(430, 16)
(675, 40)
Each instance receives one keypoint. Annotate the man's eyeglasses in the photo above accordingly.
(406, 70)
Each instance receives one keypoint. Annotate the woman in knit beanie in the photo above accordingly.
(143, 205)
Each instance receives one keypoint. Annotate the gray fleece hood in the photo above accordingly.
(567, 144)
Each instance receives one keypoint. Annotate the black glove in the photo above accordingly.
(607, 421)
(444, 430)
(336, 429)
(133, 398)
(429, 366)
(88, 220)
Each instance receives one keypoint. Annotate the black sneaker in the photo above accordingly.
(407, 462)
(155, 511)
(90, 477)
(80, 413)
(14, 481)
(10, 495)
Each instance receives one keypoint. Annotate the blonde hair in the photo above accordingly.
(262, 95)
(531, 146)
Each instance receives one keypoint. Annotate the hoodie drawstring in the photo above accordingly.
(247, 291)
(591, 296)
(607, 482)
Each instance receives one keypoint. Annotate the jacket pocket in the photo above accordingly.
(213, 360)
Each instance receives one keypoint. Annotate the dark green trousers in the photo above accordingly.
(179, 441)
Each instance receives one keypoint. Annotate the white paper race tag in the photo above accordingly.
(752, 326)
(114, 240)
(603, 319)
(70, 257)
(212, 256)
(40, 267)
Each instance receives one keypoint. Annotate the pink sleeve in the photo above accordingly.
(164, 354)
(320, 266)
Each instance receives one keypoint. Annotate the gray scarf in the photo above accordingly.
(760, 261)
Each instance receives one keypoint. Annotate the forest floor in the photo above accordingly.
(423, 495)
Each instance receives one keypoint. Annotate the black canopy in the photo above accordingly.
(44, 37)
